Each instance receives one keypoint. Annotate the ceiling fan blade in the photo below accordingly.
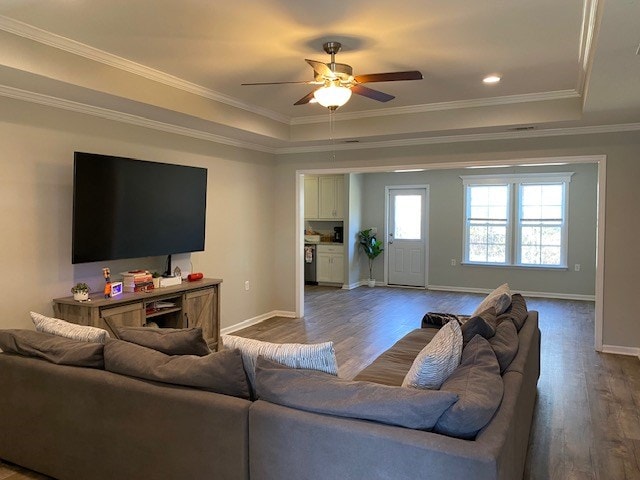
(304, 100)
(320, 68)
(388, 77)
(371, 93)
(310, 82)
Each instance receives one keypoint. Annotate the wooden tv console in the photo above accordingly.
(190, 304)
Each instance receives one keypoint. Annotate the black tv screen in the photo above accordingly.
(126, 208)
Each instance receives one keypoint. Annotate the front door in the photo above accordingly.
(407, 236)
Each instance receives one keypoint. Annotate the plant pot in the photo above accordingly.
(371, 282)
(156, 282)
(81, 296)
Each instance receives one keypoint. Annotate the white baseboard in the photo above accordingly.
(618, 350)
(560, 296)
(256, 320)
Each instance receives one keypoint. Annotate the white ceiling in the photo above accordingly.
(177, 65)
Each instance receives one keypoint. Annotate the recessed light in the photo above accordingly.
(406, 170)
(491, 79)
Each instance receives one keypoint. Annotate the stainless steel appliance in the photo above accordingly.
(339, 232)
(309, 259)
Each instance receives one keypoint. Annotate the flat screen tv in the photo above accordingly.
(126, 208)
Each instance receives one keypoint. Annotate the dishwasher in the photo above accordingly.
(310, 252)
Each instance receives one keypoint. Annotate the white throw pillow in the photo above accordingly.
(61, 328)
(318, 356)
(500, 299)
(437, 360)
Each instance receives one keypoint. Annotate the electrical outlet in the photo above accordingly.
(246, 285)
(577, 267)
(453, 262)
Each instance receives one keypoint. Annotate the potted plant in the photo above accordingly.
(80, 292)
(372, 248)
(156, 279)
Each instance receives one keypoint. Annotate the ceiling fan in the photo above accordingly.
(337, 82)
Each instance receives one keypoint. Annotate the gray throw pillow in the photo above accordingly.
(505, 342)
(499, 299)
(483, 324)
(171, 341)
(53, 348)
(319, 392)
(517, 310)
(220, 372)
(478, 384)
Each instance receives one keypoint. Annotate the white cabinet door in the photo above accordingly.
(331, 197)
(327, 187)
(310, 197)
(330, 266)
(339, 202)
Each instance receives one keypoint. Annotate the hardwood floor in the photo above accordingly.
(587, 417)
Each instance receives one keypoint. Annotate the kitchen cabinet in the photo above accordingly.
(331, 197)
(310, 197)
(330, 263)
(324, 197)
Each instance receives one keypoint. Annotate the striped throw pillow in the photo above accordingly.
(61, 328)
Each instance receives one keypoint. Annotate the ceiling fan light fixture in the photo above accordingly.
(491, 79)
(332, 96)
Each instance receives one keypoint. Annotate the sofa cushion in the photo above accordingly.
(437, 360)
(505, 342)
(500, 299)
(171, 341)
(318, 356)
(319, 392)
(517, 310)
(59, 327)
(483, 324)
(478, 384)
(220, 372)
(392, 366)
(53, 348)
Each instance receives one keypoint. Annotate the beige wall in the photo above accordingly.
(36, 175)
(622, 257)
(251, 209)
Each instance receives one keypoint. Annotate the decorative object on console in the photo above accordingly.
(106, 273)
(192, 277)
(155, 278)
(80, 292)
(372, 248)
(116, 289)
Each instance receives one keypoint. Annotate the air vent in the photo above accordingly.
(521, 129)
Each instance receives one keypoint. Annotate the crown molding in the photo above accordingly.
(30, 32)
(433, 107)
(474, 137)
(127, 118)
(130, 119)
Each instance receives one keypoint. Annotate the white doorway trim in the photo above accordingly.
(600, 160)
(426, 229)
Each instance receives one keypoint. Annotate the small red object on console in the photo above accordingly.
(192, 277)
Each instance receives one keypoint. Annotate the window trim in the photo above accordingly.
(514, 182)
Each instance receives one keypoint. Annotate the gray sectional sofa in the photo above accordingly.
(72, 422)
